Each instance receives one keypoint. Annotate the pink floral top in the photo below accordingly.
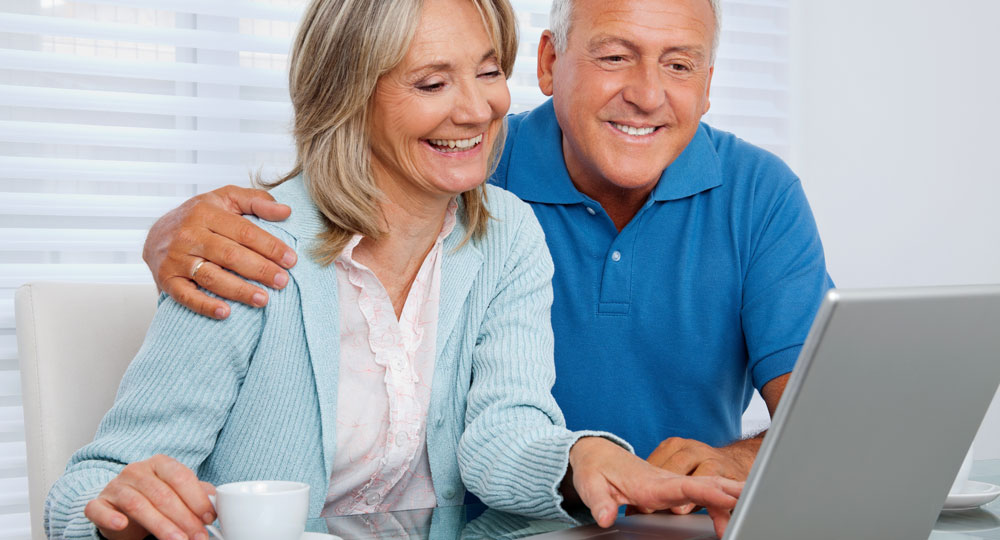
(386, 367)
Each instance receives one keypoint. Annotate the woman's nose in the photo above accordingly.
(472, 107)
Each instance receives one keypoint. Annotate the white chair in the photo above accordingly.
(75, 341)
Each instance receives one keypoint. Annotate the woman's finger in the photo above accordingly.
(168, 502)
(140, 510)
(720, 520)
(102, 514)
(185, 484)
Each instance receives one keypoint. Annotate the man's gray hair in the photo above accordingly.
(562, 13)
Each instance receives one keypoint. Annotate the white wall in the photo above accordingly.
(897, 139)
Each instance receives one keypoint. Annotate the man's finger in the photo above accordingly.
(243, 232)
(257, 202)
(684, 462)
(247, 263)
(227, 285)
(186, 293)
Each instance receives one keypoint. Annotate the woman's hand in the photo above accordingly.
(606, 476)
(158, 496)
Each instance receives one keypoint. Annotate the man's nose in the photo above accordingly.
(472, 107)
(645, 88)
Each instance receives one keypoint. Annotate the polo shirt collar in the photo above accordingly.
(697, 169)
(537, 171)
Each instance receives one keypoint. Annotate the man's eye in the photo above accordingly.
(614, 58)
(679, 67)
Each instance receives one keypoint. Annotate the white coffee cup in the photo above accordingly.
(958, 486)
(261, 510)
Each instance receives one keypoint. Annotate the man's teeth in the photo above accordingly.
(456, 145)
(633, 130)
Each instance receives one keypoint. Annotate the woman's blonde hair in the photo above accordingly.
(342, 48)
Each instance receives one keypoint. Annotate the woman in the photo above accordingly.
(411, 355)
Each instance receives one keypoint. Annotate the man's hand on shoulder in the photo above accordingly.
(196, 242)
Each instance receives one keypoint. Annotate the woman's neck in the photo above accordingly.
(411, 221)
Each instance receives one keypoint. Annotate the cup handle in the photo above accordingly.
(211, 528)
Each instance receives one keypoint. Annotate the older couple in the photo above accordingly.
(687, 272)
(408, 355)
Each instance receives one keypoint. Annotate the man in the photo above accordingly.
(688, 264)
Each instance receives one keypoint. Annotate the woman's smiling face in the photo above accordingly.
(436, 115)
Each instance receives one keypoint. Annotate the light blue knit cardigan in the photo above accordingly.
(254, 396)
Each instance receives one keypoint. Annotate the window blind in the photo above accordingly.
(114, 111)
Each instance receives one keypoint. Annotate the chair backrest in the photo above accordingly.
(74, 341)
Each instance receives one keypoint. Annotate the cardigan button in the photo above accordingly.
(449, 493)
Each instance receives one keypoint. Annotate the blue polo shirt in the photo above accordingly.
(664, 329)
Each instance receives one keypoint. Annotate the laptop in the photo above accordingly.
(886, 397)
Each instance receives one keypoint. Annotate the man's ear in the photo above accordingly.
(546, 61)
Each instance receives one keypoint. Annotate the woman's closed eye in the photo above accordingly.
(430, 86)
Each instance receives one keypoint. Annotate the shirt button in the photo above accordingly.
(616, 256)
(591, 211)
(372, 499)
(401, 438)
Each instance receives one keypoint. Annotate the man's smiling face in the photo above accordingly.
(630, 88)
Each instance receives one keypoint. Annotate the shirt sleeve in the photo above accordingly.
(173, 400)
(784, 285)
(514, 451)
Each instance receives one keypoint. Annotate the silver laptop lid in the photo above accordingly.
(888, 393)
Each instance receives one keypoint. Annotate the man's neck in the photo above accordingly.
(621, 204)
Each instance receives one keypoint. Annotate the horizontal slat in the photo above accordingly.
(133, 137)
(220, 8)
(15, 526)
(131, 102)
(134, 69)
(10, 385)
(70, 240)
(127, 171)
(72, 204)
(177, 37)
(11, 430)
(6, 313)
(15, 275)
(13, 491)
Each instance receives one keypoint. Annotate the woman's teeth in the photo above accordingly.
(633, 130)
(455, 145)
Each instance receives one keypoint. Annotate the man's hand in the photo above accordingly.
(605, 476)
(210, 228)
(694, 458)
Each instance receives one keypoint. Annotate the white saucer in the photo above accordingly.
(319, 536)
(975, 495)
